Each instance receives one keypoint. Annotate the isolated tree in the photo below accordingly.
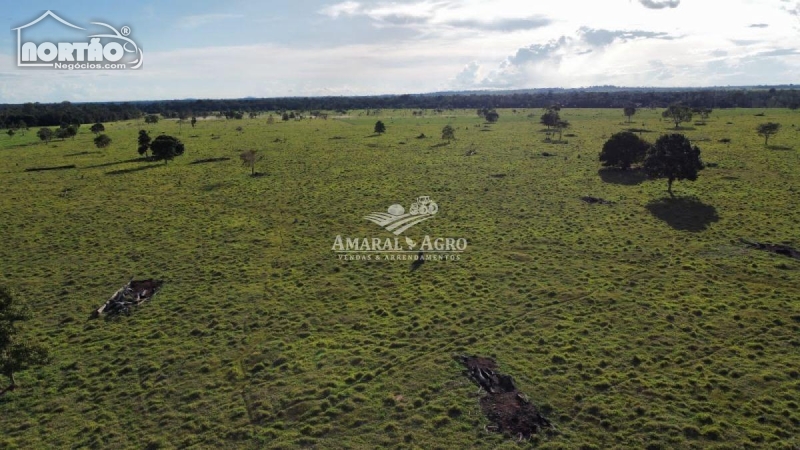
(45, 134)
(673, 157)
(253, 115)
(166, 148)
(380, 128)
(768, 129)
(703, 113)
(16, 354)
(72, 131)
(151, 118)
(448, 133)
(560, 126)
(678, 114)
(491, 116)
(629, 111)
(144, 143)
(270, 120)
(239, 130)
(102, 141)
(97, 128)
(249, 159)
(194, 121)
(623, 149)
(550, 118)
(285, 116)
(10, 132)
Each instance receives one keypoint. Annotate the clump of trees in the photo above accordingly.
(151, 118)
(380, 127)
(97, 128)
(673, 157)
(677, 114)
(16, 354)
(623, 150)
(488, 114)
(768, 129)
(166, 148)
(102, 141)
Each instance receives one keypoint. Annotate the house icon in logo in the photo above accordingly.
(19, 37)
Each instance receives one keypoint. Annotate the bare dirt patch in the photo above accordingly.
(508, 409)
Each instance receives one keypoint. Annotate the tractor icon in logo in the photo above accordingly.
(397, 220)
(423, 205)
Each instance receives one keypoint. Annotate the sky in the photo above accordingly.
(234, 49)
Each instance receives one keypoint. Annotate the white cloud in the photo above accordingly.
(348, 8)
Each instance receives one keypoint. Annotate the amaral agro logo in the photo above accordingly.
(105, 50)
(396, 221)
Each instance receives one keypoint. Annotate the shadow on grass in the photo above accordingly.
(115, 163)
(684, 213)
(209, 160)
(81, 153)
(440, 144)
(630, 177)
(779, 147)
(681, 129)
(213, 186)
(133, 169)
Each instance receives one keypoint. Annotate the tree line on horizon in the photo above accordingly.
(24, 116)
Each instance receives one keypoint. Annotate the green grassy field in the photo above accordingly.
(644, 324)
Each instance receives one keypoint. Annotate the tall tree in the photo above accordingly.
(677, 114)
(623, 149)
(380, 128)
(194, 121)
(768, 129)
(166, 148)
(673, 157)
(144, 142)
(16, 354)
(629, 111)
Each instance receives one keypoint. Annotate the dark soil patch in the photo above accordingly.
(40, 169)
(498, 175)
(131, 295)
(778, 249)
(258, 175)
(209, 160)
(596, 201)
(336, 138)
(509, 410)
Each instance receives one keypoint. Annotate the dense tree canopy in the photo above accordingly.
(673, 157)
(166, 148)
(623, 150)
